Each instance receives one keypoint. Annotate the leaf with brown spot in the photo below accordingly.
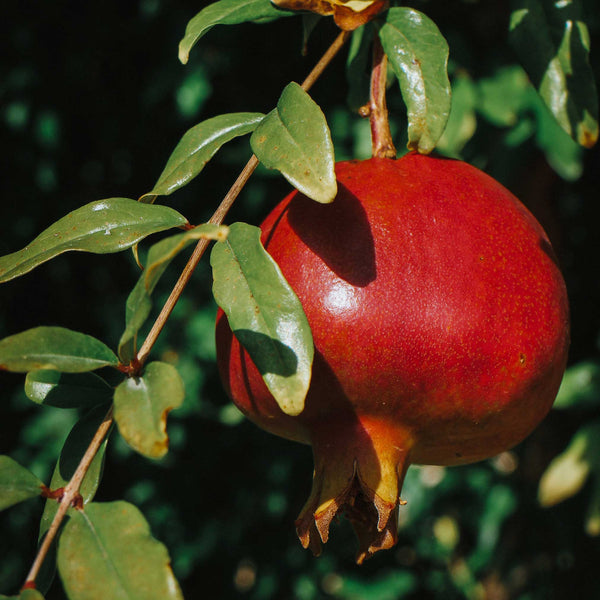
(141, 406)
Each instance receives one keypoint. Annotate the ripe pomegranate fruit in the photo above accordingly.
(440, 322)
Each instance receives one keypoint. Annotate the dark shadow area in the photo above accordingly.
(269, 355)
(339, 233)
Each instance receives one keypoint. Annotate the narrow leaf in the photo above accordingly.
(107, 551)
(141, 407)
(197, 146)
(67, 390)
(227, 12)
(54, 348)
(294, 139)
(160, 255)
(16, 483)
(265, 314)
(418, 55)
(553, 45)
(100, 227)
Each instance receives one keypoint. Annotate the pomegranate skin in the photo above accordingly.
(440, 322)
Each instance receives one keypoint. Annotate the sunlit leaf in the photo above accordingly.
(227, 12)
(141, 407)
(197, 146)
(54, 348)
(107, 551)
(67, 390)
(567, 473)
(160, 255)
(100, 227)
(16, 483)
(418, 55)
(553, 44)
(294, 139)
(265, 314)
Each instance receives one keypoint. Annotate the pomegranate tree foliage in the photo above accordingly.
(454, 529)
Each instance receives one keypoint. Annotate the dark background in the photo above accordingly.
(92, 102)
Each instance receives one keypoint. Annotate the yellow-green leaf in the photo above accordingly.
(141, 406)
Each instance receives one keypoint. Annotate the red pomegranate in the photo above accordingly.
(440, 322)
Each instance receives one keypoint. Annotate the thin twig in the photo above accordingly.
(220, 213)
(69, 497)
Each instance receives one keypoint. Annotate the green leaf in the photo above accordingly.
(160, 255)
(197, 146)
(141, 407)
(54, 348)
(567, 473)
(67, 390)
(74, 448)
(553, 45)
(418, 55)
(100, 227)
(227, 12)
(16, 483)
(294, 139)
(265, 314)
(580, 387)
(107, 551)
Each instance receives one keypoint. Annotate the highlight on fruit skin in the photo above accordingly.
(441, 328)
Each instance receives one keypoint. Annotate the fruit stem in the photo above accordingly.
(381, 136)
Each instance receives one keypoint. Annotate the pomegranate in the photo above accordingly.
(440, 322)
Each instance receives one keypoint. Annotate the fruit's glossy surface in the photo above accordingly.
(440, 321)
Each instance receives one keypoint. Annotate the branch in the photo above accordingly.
(69, 497)
(220, 213)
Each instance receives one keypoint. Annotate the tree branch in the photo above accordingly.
(220, 213)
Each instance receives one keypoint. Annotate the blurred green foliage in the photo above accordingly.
(92, 102)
